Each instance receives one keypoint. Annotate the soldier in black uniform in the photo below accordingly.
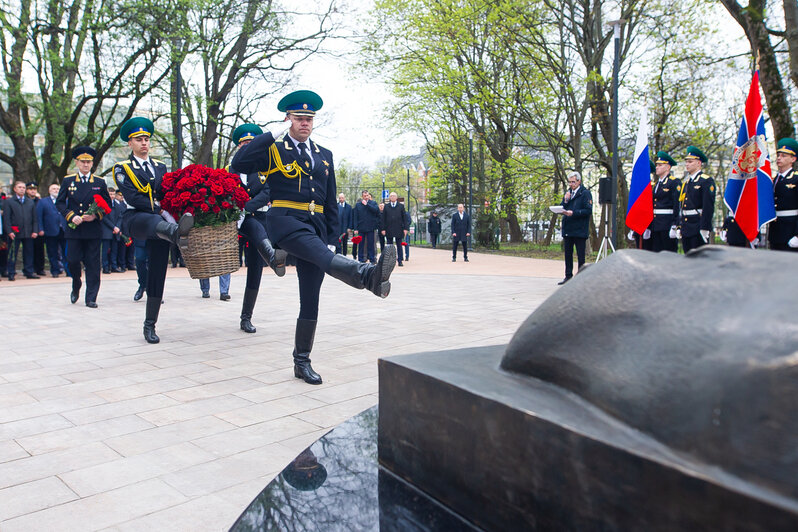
(696, 202)
(253, 228)
(666, 205)
(303, 219)
(83, 241)
(139, 179)
(783, 232)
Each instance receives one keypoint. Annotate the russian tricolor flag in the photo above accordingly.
(749, 190)
(640, 210)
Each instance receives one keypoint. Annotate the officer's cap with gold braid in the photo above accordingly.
(652, 166)
(664, 158)
(300, 103)
(788, 146)
(84, 153)
(695, 153)
(246, 132)
(136, 127)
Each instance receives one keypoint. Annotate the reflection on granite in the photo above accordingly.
(335, 485)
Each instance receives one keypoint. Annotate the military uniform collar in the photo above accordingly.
(141, 161)
(696, 176)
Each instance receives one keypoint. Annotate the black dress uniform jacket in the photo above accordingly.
(785, 192)
(75, 198)
(666, 197)
(288, 182)
(141, 191)
(698, 195)
(578, 224)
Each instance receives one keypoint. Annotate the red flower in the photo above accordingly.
(357, 239)
(216, 209)
(15, 228)
(204, 207)
(102, 204)
(226, 205)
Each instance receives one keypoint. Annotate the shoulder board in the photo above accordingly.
(319, 146)
(69, 175)
(280, 138)
(120, 163)
(156, 161)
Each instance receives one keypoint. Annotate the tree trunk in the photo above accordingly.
(791, 23)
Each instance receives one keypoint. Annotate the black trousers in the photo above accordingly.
(56, 252)
(27, 255)
(382, 240)
(343, 246)
(661, 241)
(141, 264)
(86, 251)
(312, 261)
(141, 226)
(569, 242)
(38, 255)
(366, 247)
(253, 230)
(465, 248)
(397, 241)
(433, 237)
(692, 242)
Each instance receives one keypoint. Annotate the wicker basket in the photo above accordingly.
(212, 251)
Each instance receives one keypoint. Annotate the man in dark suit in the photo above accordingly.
(21, 227)
(365, 218)
(394, 224)
(578, 205)
(83, 231)
(461, 230)
(303, 219)
(783, 231)
(51, 228)
(110, 231)
(344, 224)
(119, 251)
(434, 229)
(139, 178)
(32, 191)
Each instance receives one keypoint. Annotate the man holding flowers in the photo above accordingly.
(83, 200)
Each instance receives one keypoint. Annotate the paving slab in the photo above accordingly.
(101, 431)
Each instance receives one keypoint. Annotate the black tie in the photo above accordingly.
(303, 156)
(147, 170)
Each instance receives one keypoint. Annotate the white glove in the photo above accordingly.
(331, 247)
(646, 234)
(704, 234)
(793, 243)
(723, 236)
(631, 235)
(278, 129)
(679, 234)
(755, 242)
(168, 217)
(241, 219)
(672, 233)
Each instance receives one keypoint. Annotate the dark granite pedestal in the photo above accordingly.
(336, 485)
(509, 452)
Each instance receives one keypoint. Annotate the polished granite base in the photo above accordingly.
(336, 484)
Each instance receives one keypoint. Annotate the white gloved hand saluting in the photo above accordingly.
(646, 234)
(672, 233)
(705, 235)
(278, 129)
(793, 242)
(631, 235)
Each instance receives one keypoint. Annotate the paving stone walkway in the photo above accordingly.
(101, 431)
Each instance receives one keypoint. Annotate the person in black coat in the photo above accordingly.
(303, 218)
(394, 224)
(666, 206)
(344, 223)
(578, 205)
(32, 190)
(119, 251)
(21, 227)
(51, 228)
(696, 202)
(84, 231)
(461, 230)
(109, 233)
(139, 178)
(434, 229)
(365, 218)
(406, 244)
(783, 231)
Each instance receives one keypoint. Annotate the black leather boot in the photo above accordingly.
(150, 317)
(303, 343)
(275, 258)
(250, 296)
(372, 277)
(173, 232)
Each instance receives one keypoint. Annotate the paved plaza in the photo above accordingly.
(102, 431)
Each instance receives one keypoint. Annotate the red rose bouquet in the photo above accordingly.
(213, 197)
(99, 204)
(126, 239)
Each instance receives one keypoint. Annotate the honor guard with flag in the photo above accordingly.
(253, 227)
(783, 233)
(666, 205)
(77, 196)
(139, 178)
(639, 210)
(696, 202)
(303, 218)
